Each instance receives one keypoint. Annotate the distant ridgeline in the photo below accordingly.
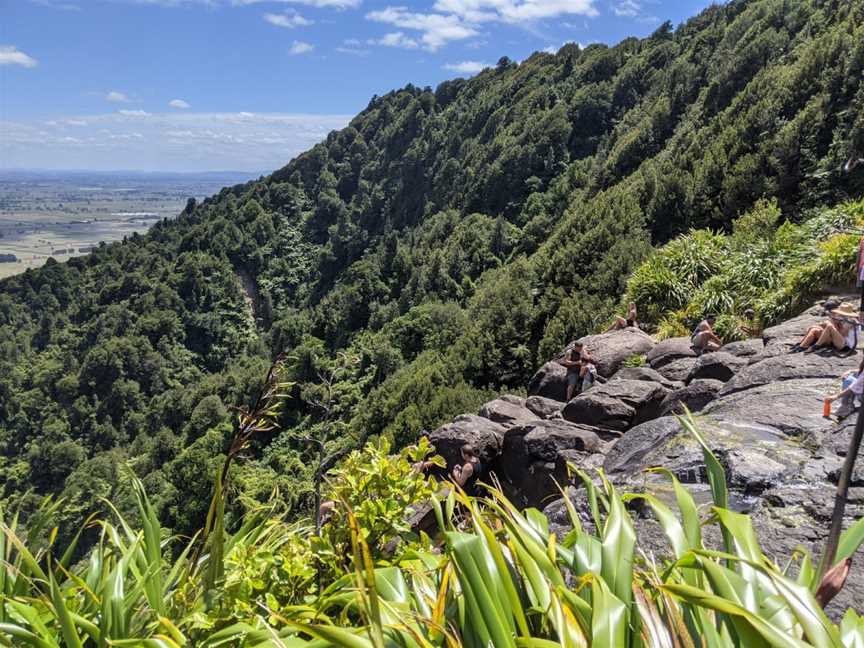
(436, 250)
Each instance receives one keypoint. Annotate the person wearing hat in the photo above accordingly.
(839, 331)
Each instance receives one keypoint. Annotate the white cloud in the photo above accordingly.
(395, 39)
(133, 113)
(435, 29)
(116, 97)
(179, 141)
(467, 67)
(11, 55)
(299, 47)
(514, 11)
(53, 4)
(352, 46)
(319, 4)
(179, 103)
(288, 19)
(628, 8)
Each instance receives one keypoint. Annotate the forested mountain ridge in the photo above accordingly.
(438, 248)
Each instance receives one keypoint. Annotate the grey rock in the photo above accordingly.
(751, 471)
(610, 350)
(513, 399)
(616, 405)
(794, 366)
(745, 348)
(793, 407)
(543, 407)
(534, 457)
(694, 396)
(645, 373)
(630, 454)
(670, 350)
(550, 381)
(677, 370)
(485, 435)
(716, 366)
(507, 412)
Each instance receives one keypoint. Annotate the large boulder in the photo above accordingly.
(790, 407)
(486, 436)
(694, 396)
(645, 373)
(616, 405)
(610, 350)
(543, 407)
(534, 457)
(716, 366)
(678, 370)
(550, 381)
(507, 412)
(670, 350)
(790, 366)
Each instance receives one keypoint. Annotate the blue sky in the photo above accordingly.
(194, 85)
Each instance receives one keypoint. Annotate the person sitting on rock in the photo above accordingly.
(573, 362)
(621, 323)
(852, 389)
(468, 472)
(703, 338)
(587, 372)
(839, 331)
(750, 327)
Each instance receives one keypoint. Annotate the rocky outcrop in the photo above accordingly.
(610, 350)
(507, 411)
(543, 407)
(790, 366)
(670, 350)
(678, 370)
(745, 348)
(716, 366)
(617, 405)
(535, 456)
(760, 411)
(486, 436)
(694, 396)
(646, 373)
(550, 381)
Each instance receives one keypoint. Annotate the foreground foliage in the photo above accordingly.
(497, 578)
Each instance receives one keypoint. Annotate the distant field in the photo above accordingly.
(62, 215)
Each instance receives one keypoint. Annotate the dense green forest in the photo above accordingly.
(433, 252)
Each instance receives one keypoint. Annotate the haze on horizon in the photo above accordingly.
(245, 85)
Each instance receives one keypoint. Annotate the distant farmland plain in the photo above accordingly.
(64, 214)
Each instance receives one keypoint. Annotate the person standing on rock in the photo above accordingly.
(622, 323)
(703, 338)
(573, 362)
(750, 326)
(853, 388)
